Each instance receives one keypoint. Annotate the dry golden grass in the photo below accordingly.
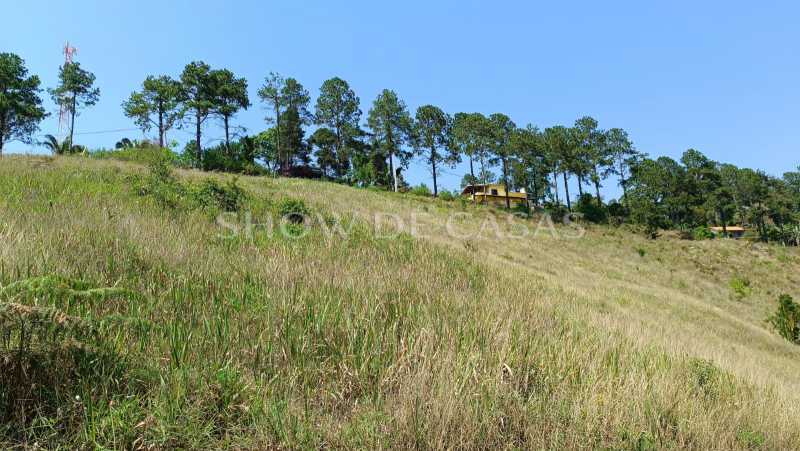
(608, 341)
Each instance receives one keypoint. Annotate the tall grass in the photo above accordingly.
(200, 340)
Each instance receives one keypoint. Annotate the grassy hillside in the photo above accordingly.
(131, 318)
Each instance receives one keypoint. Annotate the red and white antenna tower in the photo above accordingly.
(69, 53)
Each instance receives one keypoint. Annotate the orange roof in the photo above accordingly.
(729, 229)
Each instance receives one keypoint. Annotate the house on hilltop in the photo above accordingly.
(731, 231)
(494, 194)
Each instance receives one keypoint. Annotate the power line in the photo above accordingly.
(98, 132)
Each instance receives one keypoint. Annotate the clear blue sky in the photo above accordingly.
(721, 77)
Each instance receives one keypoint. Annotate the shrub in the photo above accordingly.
(144, 155)
(741, 287)
(227, 197)
(522, 210)
(48, 361)
(709, 380)
(161, 185)
(616, 213)
(702, 233)
(556, 211)
(421, 190)
(590, 209)
(294, 210)
(751, 439)
(786, 320)
(447, 196)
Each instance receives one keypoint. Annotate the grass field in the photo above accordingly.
(132, 317)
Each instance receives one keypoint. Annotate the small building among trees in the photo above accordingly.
(730, 231)
(495, 194)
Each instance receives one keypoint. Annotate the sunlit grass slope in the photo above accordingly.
(144, 325)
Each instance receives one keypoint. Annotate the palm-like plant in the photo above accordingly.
(61, 148)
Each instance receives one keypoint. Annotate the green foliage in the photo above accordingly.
(21, 108)
(162, 185)
(142, 155)
(471, 135)
(228, 96)
(740, 287)
(700, 233)
(239, 157)
(617, 213)
(750, 439)
(448, 196)
(64, 147)
(786, 320)
(521, 210)
(75, 91)
(50, 360)
(392, 128)
(431, 134)
(211, 194)
(709, 380)
(159, 104)
(323, 143)
(591, 211)
(337, 109)
(293, 210)
(421, 190)
(288, 101)
(199, 98)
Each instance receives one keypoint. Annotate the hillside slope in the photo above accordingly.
(371, 339)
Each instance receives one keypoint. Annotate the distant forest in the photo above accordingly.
(658, 193)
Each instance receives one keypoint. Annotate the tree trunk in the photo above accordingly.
(161, 130)
(535, 190)
(2, 135)
(391, 169)
(580, 185)
(472, 182)
(390, 145)
(199, 150)
(566, 188)
(597, 192)
(624, 184)
(433, 166)
(505, 183)
(278, 138)
(72, 120)
(226, 119)
(555, 186)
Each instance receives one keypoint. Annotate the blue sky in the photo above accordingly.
(721, 77)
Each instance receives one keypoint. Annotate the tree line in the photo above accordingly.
(657, 193)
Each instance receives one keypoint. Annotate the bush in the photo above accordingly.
(49, 360)
(590, 209)
(294, 210)
(522, 210)
(421, 190)
(702, 233)
(228, 197)
(741, 287)
(161, 185)
(556, 211)
(786, 320)
(616, 213)
(143, 155)
(447, 196)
